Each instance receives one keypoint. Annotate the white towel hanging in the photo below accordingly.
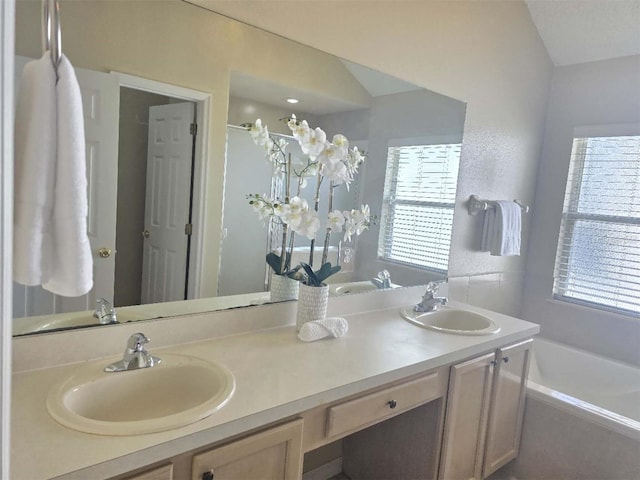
(51, 246)
(502, 229)
(71, 263)
(34, 171)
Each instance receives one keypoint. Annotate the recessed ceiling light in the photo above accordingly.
(292, 100)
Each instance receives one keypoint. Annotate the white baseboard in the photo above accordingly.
(323, 472)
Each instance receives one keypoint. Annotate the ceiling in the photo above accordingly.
(375, 83)
(573, 31)
(578, 31)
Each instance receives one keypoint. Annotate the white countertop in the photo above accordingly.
(277, 376)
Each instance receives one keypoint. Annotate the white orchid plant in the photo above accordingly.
(333, 161)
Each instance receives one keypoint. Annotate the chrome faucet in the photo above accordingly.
(135, 355)
(105, 312)
(429, 301)
(382, 280)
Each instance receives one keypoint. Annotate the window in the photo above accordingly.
(598, 256)
(419, 199)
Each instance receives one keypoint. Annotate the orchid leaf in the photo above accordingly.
(317, 278)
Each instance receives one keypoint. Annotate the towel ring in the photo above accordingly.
(51, 32)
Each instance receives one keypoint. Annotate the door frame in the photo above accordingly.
(203, 109)
(7, 53)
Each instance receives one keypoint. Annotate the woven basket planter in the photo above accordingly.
(312, 304)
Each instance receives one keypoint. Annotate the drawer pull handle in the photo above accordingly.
(505, 359)
(493, 362)
(392, 403)
(208, 475)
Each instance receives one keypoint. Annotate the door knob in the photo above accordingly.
(104, 252)
(145, 233)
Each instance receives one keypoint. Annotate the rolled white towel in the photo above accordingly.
(327, 327)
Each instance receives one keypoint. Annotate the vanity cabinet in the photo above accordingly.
(271, 454)
(506, 408)
(485, 405)
(331, 422)
(274, 454)
(388, 433)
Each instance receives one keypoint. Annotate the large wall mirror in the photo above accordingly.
(142, 65)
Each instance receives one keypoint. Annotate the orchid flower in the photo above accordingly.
(334, 161)
(335, 221)
(356, 221)
(337, 172)
(309, 224)
(315, 143)
(259, 133)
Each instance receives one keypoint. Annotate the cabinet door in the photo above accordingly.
(274, 454)
(507, 406)
(466, 419)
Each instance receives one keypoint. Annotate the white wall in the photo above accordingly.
(598, 93)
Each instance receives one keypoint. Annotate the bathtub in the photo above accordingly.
(581, 419)
(595, 388)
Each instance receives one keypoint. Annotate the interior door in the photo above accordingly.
(101, 105)
(167, 203)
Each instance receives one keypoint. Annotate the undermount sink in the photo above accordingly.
(452, 320)
(176, 392)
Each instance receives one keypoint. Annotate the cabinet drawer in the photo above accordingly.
(377, 406)
(161, 473)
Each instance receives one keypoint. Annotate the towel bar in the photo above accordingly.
(476, 205)
(51, 34)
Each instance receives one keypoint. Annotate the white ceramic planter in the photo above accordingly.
(283, 288)
(312, 304)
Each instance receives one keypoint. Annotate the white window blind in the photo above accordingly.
(419, 199)
(598, 256)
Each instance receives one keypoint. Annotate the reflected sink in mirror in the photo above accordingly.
(452, 320)
(178, 391)
(69, 320)
(339, 289)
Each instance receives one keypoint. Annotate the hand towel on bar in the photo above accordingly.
(35, 157)
(51, 246)
(488, 227)
(501, 233)
(319, 329)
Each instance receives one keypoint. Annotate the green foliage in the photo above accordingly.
(317, 278)
(275, 262)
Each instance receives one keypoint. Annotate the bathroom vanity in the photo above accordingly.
(400, 397)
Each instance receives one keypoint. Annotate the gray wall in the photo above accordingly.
(598, 93)
(420, 114)
(132, 180)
